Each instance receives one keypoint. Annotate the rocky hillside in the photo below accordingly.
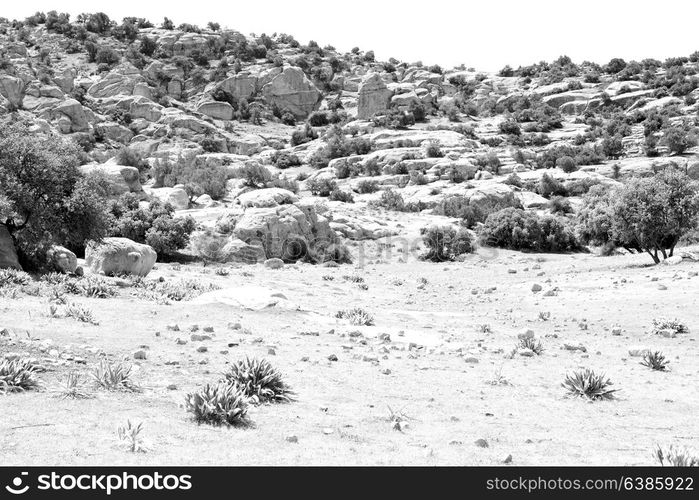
(260, 137)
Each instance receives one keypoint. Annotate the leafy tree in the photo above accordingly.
(46, 199)
(646, 215)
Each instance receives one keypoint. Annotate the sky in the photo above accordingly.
(483, 34)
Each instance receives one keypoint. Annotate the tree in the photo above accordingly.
(646, 215)
(678, 140)
(47, 200)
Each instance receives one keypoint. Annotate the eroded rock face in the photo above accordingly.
(374, 96)
(292, 91)
(120, 256)
(288, 232)
(8, 254)
(241, 86)
(72, 111)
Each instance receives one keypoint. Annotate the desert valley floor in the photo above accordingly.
(435, 374)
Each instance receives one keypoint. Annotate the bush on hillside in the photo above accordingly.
(517, 229)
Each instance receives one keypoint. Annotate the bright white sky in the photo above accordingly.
(485, 34)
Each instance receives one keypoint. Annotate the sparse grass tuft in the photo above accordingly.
(356, 316)
(655, 361)
(676, 457)
(10, 277)
(80, 313)
(260, 381)
(17, 376)
(673, 325)
(587, 384)
(222, 404)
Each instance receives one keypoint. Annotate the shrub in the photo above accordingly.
(520, 230)
(587, 384)
(17, 376)
(532, 344)
(284, 159)
(391, 200)
(218, 405)
(46, 200)
(560, 205)
(567, 164)
(132, 158)
(259, 380)
(366, 186)
(254, 174)
(678, 140)
(548, 186)
(321, 186)
(340, 195)
(510, 127)
(433, 150)
(154, 225)
(446, 243)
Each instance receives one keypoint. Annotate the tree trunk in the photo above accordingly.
(654, 256)
(662, 250)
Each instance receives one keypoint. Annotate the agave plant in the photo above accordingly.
(17, 376)
(655, 361)
(676, 457)
(532, 344)
(222, 404)
(113, 377)
(260, 381)
(587, 384)
(72, 387)
(131, 434)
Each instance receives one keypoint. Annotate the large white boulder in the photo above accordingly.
(120, 256)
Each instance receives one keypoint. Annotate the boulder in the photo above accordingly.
(12, 89)
(374, 96)
(62, 260)
(176, 196)
(292, 91)
(216, 110)
(289, 232)
(8, 254)
(74, 112)
(240, 252)
(269, 197)
(241, 86)
(114, 132)
(121, 179)
(120, 256)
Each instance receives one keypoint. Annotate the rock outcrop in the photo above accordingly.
(121, 179)
(61, 260)
(114, 256)
(374, 96)
(8, 254)
(292, 91)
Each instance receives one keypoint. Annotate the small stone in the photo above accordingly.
(208, 329)
(327, 431)
(274, 263)
(234, 326)
(526, 333)
(662, 287)
(202, 348)
(199, 337)
(527, 353)
(536, 287)
(332, 357)
(140, 354)
(180, 341)
(173, 327)
(386, 371)
(481, 443)
(172, 387)
(292, 439)
(455, 442)
(271, 352)
(194, 328)
(471, 360)
(512, 271)
(616, 330)
(508, 459)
